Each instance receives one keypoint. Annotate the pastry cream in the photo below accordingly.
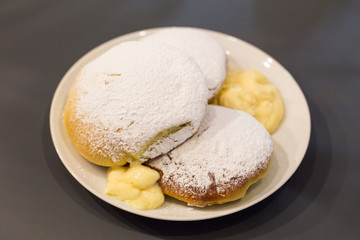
(252, 92)
(136, 185)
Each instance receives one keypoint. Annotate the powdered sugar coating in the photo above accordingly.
(230, 147)
(133, 92)
(206, 51)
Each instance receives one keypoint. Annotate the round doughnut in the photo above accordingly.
(231, 151)
(206, 51)
(136, 101)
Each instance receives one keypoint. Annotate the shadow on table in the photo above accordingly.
(256, 219)
(294, 197)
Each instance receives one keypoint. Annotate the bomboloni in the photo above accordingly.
(206, 51)
(230, 152)
(136, 101)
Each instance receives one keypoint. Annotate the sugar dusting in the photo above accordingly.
(229, 147)
(207, 52)
(136, 90)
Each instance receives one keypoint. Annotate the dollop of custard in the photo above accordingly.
(251, 91)
(136, 185)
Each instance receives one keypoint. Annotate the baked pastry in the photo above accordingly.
(206, 51)
(230, 152)
(136, 101)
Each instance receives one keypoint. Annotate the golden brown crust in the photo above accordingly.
(78, 133)
(235, 189)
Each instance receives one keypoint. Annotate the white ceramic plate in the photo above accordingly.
(290, 140)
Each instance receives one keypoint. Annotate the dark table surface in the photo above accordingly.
(316, 41)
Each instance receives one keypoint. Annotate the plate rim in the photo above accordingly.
(113, 202)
